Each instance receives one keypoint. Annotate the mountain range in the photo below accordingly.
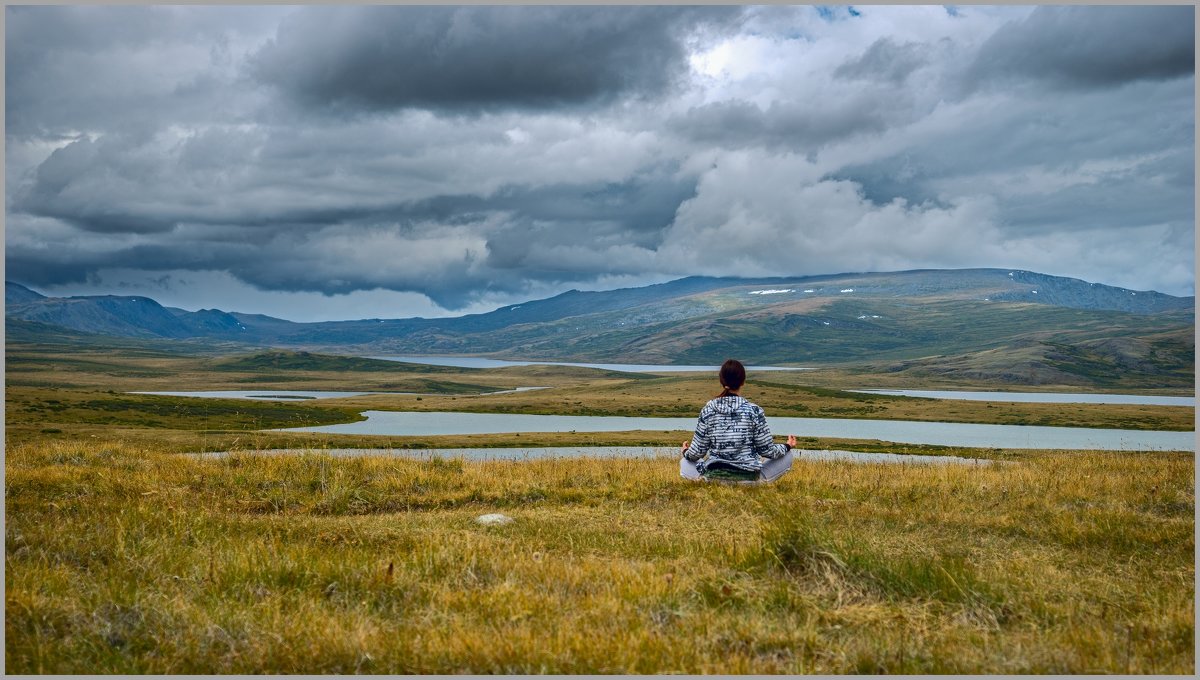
(1010, 325)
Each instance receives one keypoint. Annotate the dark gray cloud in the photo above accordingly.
(476, 57)
(39, 267)
(787, 125)
(1080, 46)
(637, 209)
(76, 183)
(466, 242)
(603, 229)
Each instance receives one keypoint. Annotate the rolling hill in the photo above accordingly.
(1005, 325)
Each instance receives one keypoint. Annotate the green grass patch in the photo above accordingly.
(281, 360)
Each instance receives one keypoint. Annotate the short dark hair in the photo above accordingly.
(732, 375)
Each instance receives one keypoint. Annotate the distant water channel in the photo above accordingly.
(479, 362)
(411, 423)
(1043, 397)
(542, 453)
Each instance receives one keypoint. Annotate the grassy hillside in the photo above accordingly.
(36, 336)
(1143, 350)
(122, 559)
(1006, 327)
(284, 360)
(960, 320)
(1145, 361)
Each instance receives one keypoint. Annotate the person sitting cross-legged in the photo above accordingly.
(732, 437)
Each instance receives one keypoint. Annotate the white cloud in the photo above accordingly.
(742, 225)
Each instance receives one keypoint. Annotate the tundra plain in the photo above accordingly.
(124, 553)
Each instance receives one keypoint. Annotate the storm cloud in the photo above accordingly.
(1077, 46)
(329, 161)
(380, 57)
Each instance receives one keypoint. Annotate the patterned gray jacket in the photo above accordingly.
(734, 431)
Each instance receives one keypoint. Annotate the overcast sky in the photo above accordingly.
(354, 162)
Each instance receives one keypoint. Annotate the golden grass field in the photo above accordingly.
(120, 558)
(126, 553)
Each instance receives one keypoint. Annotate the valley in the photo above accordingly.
(128, 553)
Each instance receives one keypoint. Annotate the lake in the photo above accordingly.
(411, 423)
(1042, 397)
(478, 362)
(540, 453)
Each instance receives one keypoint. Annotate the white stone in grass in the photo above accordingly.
(493, 519)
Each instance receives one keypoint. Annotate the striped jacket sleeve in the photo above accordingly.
(764, 445)
(701, 440)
